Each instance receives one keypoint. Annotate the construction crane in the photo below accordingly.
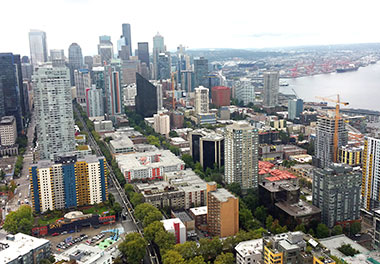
(337, 117)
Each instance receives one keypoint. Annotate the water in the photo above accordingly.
(360, 88)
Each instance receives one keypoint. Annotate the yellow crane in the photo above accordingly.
(337, 117)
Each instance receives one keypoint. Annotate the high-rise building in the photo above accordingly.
(201, 100)
(244, 91)
(351, 155)
(8, 131)
(143, 52)
(162, 124)
(75, 60)
(38, 47)
(222, 211)
(27, 71)
(295, 108)
(146, 98)
(82, 78)
(113, 89)
(88, 62)
(57, 54)
(126, 28)
(371, 174)
(324, 141)
(94, 101)
(163, 66)
(105, 50)
(211, 150)
(53, 111)
(187, 81)
(11, 88)
(200, 72)
(68, 182)
(336, 191)
(221, 96)
(241, 155)
(158, 47)
(271, 89)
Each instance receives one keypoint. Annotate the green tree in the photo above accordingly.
(136, 198)
(311, 232)
(337, 230)
(301, 137)
(151, 230)
(164, 240)
(117, 208)
(153, 140)
(188, 250)
(172, 257)
(133, 248)
(225, 258)
(173, 134)
(196, 260)
(151, 217)
(301, 227)
(198, 166)
(111, 199)
(20, 220)
(268, 221)
(348, 250)
(245, 218)
(128, 188)
(209, 249)
(188, 159)
(143, 209)
(355, 228)
(322, 231)
(234, 188)
(261, 214)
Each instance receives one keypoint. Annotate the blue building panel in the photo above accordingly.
(69, 183)
(103, 179)
(35, 186)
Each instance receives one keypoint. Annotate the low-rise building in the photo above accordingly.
(121, 145)
(25, 249)
(199, 214)
(206, 118)
(85, 254)
(148, 165)
(179, 142)
(291, 150)
(103, 126)
(249, 252)
(8, 131)
(186, 219)
(176, 227)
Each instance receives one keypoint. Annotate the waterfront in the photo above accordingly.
(360, 88)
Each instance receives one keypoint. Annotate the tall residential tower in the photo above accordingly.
(271, 88)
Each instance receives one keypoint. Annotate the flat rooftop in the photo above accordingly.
(85, 254)
(279, 185)
(183, 215)
(222, 195)
(202, 210)
(7, 120)
(169, 223)
(334, 242)
(299, 209)
(250, 247)
(21, 245)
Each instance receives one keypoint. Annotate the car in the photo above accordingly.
(71, 231)
(64, 233)
(82, 235)
(55, 234)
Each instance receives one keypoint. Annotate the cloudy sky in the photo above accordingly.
(194, 23)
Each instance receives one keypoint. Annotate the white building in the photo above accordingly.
(201, 100)
(8, 131)
(241, 155)
(121, 145)
(161, 124)
(271, 89)
(103, 126)
(249, 252)
(245, 91)
(82, 79)
(129, 93)
(148, 165)
(176, 227)
(53, 111)
(38, 47)
(21, 248)
(85, 254)
(94, 102)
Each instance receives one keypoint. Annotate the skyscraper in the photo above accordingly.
(68, 182)
(241, 155)
(146, 98)
(271, 88)
(324, 141)
(295, 108)
(82, 78)
(336, 191)
(126, 28)
(53, 111)
(105, 49)
(201, 100)
(371, 174)
(158, 47)
(143, 52)
(38, 47)
(187, 81)
(211, 150)
(200, 71)
(94, 102)
(11, 88)
(75, 60)
(57, 54)
(113, 89)
(163, 67)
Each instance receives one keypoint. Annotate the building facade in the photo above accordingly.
(211, 150)
(271, 89)
(295, 108)
(336, 191)
(221, 96)
(143, 52)
(201, 100)
(146, 99)
(8, 131)
(53, 111)
(82, 79)
(94, 102)
(351, 155)
(105, 50)
(200, 72)
(241, 155)
(126, 30)
(158, 47)
(68, 182)
(113, 89)
(162, 124)
(371, 174)
(38, 47)
(75, 61)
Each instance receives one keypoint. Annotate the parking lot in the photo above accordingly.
(88, 235)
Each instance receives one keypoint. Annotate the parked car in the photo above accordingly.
(55, 234)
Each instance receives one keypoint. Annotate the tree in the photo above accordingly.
(172, 257)
(128, 188)
(311, 232)
(268, 221)
(355, 228)
(151, 230)
(198, 166)
(188, 161)
(245, 217)
(111, 198)
(337, 230)
(153, 140)
(188, 250)
(133, 248)
(322, 231)
(136, 198)
(301, 137)
(173, 134)
(301, 227)
(261, 213)
(348, 250)
(20, 220)
(234, 188)
(143, 209)
(225, 258)
(117, 208)
(196, 260)
(164, 240)
(209, 249)
(151, 217)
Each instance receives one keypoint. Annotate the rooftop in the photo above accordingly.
(85, 254)
(7, 120)
(222, 195)
(334, 242)
(250, 247)
(299, 209)
(199, 210)
(169, 223)
(183, 216)
(19, 246)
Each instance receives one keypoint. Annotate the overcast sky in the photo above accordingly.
(193, 23)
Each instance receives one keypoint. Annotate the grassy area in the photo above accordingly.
(44, 220)
(99, 209)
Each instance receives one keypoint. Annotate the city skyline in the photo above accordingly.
(291, 23)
